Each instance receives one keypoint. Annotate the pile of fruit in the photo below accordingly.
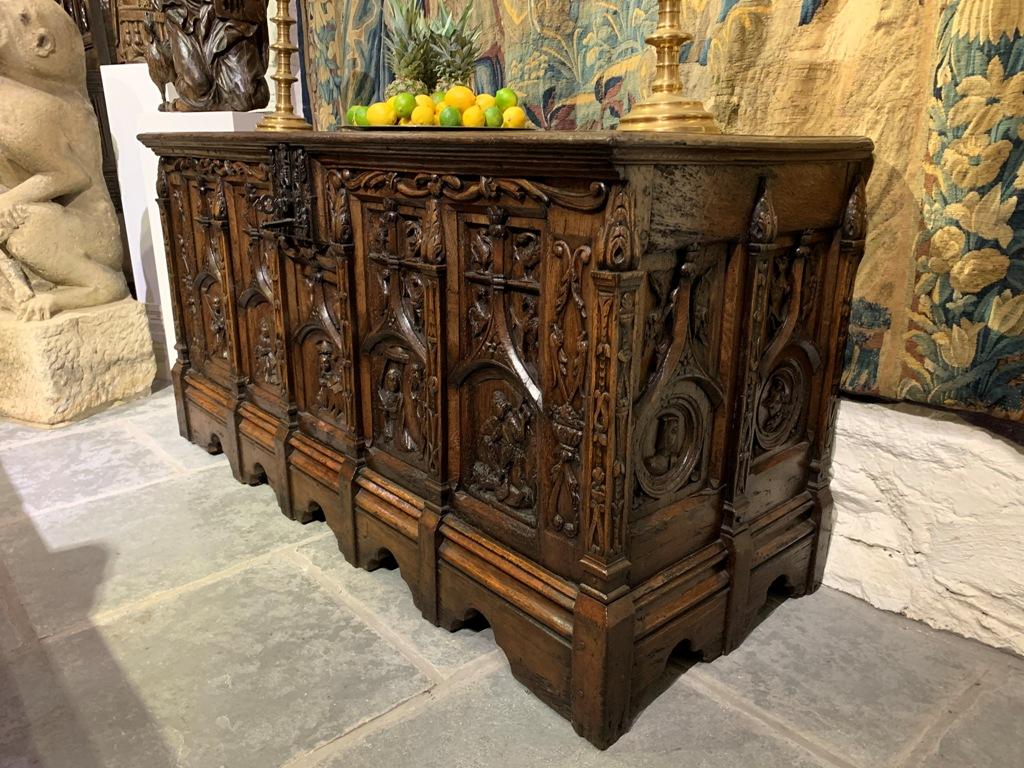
(436, 57)
(458, 107)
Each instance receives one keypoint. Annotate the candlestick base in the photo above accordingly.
(670, 112)
(282, 122)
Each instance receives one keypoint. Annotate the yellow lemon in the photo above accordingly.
(423, 114)
(424, 101)
(460, 97)
(391, 102)
(515, 117)
(405, 122)
(440, 107)
(381, 114)
(474, 117)
(485, 101)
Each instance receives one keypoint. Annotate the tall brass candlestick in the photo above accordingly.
(667, 109)
(283, 118)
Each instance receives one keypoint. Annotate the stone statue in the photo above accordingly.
(60, 240)
(216, 55)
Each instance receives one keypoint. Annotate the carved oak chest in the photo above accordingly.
(581, 385)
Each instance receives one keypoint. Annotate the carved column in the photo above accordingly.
(761, 250)
(851, 252)
(604, 613)
(182, 363)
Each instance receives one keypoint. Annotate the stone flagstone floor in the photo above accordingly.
(155, 613)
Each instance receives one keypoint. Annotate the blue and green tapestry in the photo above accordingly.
(939, 312)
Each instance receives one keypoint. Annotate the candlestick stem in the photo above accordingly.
(667, 109)
(283, 118)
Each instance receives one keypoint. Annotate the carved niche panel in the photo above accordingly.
(682, 386)
(259, 286)
(498, 374)
(403, 345)
(211, 280)
(791, 353)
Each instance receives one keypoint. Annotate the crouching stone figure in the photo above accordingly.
(60, 241)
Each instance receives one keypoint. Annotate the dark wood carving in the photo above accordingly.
(136, 23)
(562, 399)
(214, 52)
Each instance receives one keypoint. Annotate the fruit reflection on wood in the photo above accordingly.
(592, 399)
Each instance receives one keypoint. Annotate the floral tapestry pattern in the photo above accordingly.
(965, 344)
(939, 315)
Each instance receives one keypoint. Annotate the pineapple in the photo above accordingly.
(455, 47)
(408, 49)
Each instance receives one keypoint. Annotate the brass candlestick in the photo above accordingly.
(283, 118)
(667, 109)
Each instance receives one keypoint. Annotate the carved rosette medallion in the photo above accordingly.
(779, 407)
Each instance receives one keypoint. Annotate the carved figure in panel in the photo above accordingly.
(60, 240)
(391, 402)
(328, 378)
(215, 54)
(269, 353)
(503, 471)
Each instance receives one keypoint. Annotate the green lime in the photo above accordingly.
(359, 116)
(506, 99)
(438, 97)
(451, 117)
(350, 116)
(405, 103)
(494, 116)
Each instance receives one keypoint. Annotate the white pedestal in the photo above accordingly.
(133, 108)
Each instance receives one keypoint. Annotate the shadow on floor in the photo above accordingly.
(42, 714)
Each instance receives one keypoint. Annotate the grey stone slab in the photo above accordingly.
(861, 680)
(990, 734)
(74, 467)
(496, 722)
(157, 421)
(246, 672)
(74, 563)
(13, 432)
(385, 594)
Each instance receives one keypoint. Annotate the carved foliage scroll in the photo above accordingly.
(570, 345)
(611, 410)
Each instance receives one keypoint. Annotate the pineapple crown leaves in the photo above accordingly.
(408, 42)
(454, 44)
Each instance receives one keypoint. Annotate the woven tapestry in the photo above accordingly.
(938, 84)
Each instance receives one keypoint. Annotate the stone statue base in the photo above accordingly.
(74, 364)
